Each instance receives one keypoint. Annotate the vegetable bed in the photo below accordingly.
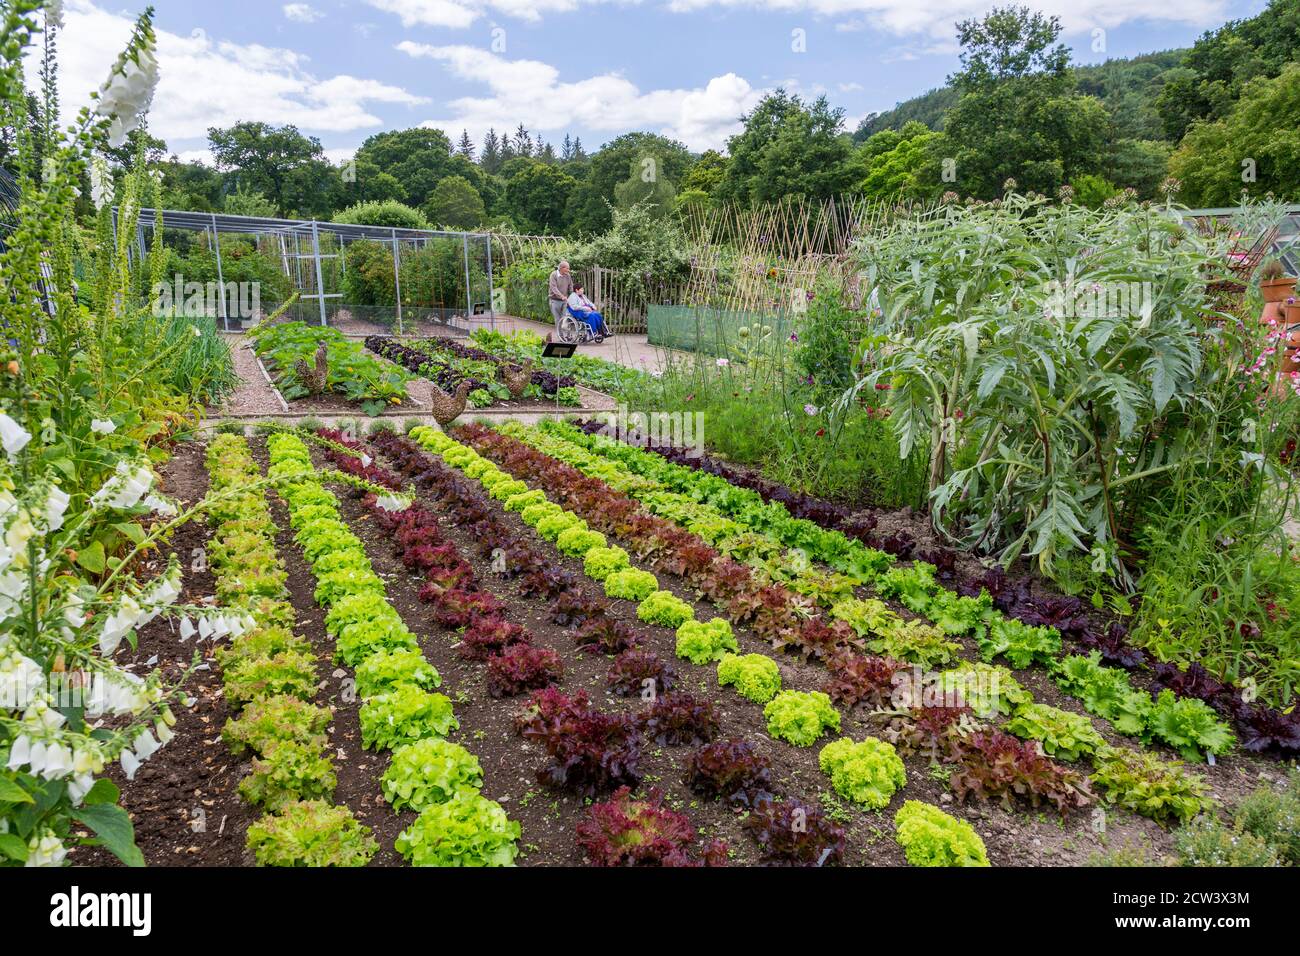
(577, 660)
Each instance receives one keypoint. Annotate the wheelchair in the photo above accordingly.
(575, 330)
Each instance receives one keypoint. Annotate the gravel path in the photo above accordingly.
(254, 395)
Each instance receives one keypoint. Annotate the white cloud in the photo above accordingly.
(208, 82)
(532, 92)
(459, 14)
(851, 87)
(301, 12)
(900, 18)
(936, 17)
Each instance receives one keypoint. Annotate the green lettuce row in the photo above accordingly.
(701, 643)
(733, 538)
(398, 712)
(844, 554)
(272, 673)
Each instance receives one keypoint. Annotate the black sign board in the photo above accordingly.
(559, 350)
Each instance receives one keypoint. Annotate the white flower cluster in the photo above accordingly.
(46, 752)
(18, 526)
(135, 612)
(130, 482)
(126, 95)
(101, 186)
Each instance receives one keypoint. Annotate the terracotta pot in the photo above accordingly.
(1291, 314)
(1276, 290)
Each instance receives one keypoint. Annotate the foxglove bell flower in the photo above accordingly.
(56, 506)
(127, 93)
(130, 482)
(46, 850)
(13, 437)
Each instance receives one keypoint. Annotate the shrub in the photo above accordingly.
(754, 676)
(867, 773)
(664, 608)
(288, 771)
(930, 837)
(273, 720)
(600, 563)
(429, 771)
(1208, 842)
(702, 642)
(628, 832)
(1274, 818)
(730, 770)
(311, 833)
(800, 717)
(383, 670)
(522, 667)
(467, 830)
(404, 715)
(631, 584)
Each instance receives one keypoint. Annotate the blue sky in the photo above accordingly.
(342, 70)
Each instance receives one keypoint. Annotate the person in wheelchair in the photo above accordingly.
(584, 310)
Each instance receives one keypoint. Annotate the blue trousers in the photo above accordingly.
(592, 318)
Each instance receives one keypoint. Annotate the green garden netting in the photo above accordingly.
(705, 330)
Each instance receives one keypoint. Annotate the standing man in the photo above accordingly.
(561, 286)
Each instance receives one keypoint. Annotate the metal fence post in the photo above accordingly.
(320, 279)
(492, 307)
(221, 279)
(397, 282)
(469, 295)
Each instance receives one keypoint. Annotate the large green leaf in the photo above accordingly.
(10, 792)
(114, 830)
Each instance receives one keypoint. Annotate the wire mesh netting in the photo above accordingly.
(361, 280)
